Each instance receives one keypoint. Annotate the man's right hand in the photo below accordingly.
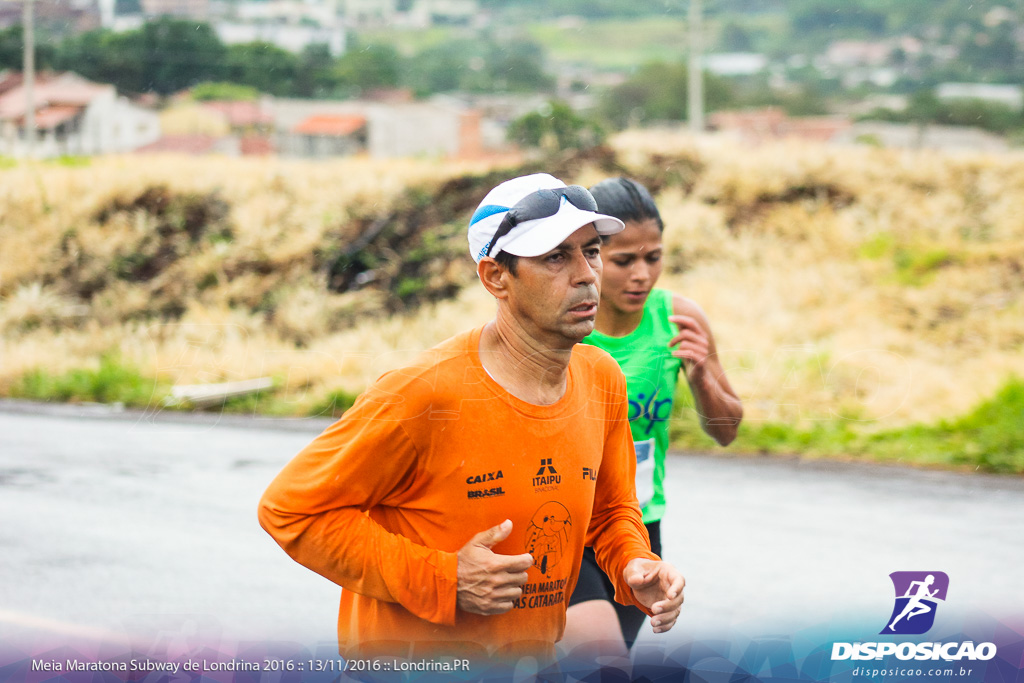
(488, 582)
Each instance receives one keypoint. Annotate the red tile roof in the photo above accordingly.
(51, 117)
(331, 125)
(183, 144)
(64, 89)
(255, 145)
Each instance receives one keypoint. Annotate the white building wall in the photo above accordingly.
(393, 131)
(109, 125)
(414, 130)
(287, 37)
(1010, 95)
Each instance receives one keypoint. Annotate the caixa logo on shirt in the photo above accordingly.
(488, 492)
(917, 597)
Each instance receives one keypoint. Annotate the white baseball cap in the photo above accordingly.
(532, 237)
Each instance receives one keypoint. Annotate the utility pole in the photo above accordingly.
(29, 75)
(696, 70)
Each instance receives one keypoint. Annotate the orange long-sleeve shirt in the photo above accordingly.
(432, 454)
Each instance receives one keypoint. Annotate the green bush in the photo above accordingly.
(333, 405)
(989, 438)
(112, 382)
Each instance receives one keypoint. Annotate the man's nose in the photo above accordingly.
(585, 273)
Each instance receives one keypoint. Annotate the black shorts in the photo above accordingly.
(594, 585)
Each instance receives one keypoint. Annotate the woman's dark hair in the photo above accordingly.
(626, 200)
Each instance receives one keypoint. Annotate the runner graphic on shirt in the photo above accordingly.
(548, 535)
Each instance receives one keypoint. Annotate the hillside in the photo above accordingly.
(853, 291)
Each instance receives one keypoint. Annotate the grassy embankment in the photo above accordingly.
(867, 303)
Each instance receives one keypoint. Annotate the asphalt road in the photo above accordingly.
(117, 525)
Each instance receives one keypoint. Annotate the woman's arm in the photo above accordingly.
(718, 407)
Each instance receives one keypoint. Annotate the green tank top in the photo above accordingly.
(651, 374)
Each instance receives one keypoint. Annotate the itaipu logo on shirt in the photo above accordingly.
(918, 595)
(547, 477)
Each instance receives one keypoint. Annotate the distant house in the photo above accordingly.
(369, 13)
(191, 144)
(771, 123)
(436, 128)
(850, 53)
(735, 63)
(912, 136)
(56, 16)
(291, 37)
(425, 13)
(326, 135)
(73, 116)
(192, 9)
(231, 128)
(1010, 95)
(242, 116)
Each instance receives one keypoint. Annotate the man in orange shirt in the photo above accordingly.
(453, 501)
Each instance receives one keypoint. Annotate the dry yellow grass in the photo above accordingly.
(877, 285)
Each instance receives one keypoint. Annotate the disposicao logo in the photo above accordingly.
(917, 598)
(913, 613)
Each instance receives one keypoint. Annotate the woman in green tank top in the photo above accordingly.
(652, 334)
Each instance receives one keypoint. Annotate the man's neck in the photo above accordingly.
(531, 369)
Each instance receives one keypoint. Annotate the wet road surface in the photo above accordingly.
(122, 524)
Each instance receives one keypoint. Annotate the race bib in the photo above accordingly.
(644, 471)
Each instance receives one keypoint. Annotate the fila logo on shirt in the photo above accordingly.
(590, 474)
(547, 477)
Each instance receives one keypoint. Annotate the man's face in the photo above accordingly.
(554, 296)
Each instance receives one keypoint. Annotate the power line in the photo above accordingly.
(29, 75)
(696, 70)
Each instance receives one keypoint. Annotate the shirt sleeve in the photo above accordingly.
(617, 532)
(316, 509)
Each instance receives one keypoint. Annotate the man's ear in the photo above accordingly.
(493, 276)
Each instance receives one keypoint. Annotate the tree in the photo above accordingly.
(315, 77)
(263, 66)
(106, 57)
(735, 38)
(444, 67)
(826, 15)
(658, 92)
(368, 67)
(209, 91)
(555, 127)
(517, 67)
(12, 50)
(178, 54)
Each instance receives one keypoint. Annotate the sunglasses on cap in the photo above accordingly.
(543, 203)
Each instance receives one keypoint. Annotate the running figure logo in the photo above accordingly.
(917, 596)
(548, 535)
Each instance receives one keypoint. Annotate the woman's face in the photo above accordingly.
(632, 265)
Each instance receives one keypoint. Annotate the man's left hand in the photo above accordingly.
(658, 586)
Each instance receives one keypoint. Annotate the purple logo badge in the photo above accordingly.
(917, 597)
